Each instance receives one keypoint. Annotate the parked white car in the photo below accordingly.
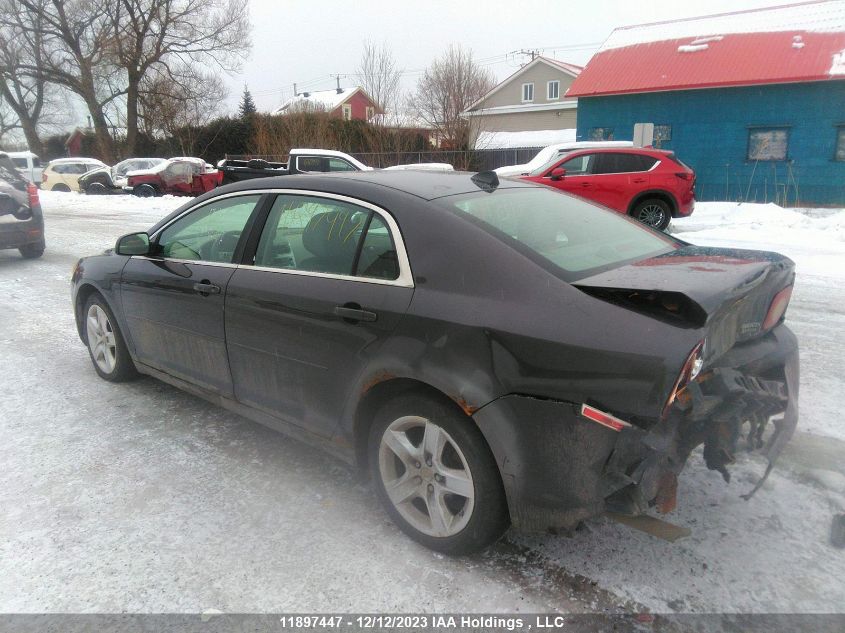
(28, 164)
(63, 174)
(548, 153)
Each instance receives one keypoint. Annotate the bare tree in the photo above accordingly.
(77, 53)
(178, 102)
(22, 85)
(158, 36)
(449, 86)
(380, 77)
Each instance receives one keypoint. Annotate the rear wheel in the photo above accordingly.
(31, 251)
(145, 191)
(653, 212)
(96, 189)
(436, 476)
(105, 342)
(60, 187)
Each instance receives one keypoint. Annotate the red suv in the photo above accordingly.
(650, 185)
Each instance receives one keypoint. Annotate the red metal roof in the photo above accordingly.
(709, 52)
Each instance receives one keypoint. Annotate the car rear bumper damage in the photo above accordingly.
(559, 467)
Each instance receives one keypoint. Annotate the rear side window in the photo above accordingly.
(573, 238)
(328, 236)
(309, 163)
(20, 163)
(620, 163)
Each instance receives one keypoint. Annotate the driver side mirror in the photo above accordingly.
(558, 173)
(133, 244)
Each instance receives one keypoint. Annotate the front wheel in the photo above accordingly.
(105, 342)
(654, 213)
(436, 476)
(96, 189)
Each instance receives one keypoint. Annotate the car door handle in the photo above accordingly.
(638, 180)
(352, 312)
(586, 184)
(205, 288)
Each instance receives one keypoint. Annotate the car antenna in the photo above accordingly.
(486, 180)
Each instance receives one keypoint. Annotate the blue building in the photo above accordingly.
(754, 101)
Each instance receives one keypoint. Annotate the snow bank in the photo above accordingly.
(531, 138)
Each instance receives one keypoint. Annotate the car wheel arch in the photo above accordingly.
(385, 390)
(82, 295)
(660, 194)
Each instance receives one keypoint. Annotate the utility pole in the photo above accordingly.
(294, 88)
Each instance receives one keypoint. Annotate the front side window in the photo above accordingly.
(553, 90)
(768, 143)
(20, 163)
(527, 92)
(576, 166)
(210, 233)
(840, 142)
(571, 237)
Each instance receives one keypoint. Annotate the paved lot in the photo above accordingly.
(138, 497)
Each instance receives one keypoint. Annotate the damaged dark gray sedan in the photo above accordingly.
(491, 353)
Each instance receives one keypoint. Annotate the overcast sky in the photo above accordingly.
(307, 41)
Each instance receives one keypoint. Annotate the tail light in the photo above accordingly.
(777, 308)
(683, 175)
(43, 176)
(32, 192)
(692, 367)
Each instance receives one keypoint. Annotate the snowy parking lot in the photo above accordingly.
(138, 497)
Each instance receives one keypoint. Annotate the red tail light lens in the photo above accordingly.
(777, 308)
(43, 176)
(692, 366)
(32, 192)
(684, 175)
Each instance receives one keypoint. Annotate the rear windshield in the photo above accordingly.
(569, 236)
(8, 171)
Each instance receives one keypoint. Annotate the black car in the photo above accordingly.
(21, 222)
(491, 353)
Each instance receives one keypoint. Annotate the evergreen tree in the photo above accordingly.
(247, 106)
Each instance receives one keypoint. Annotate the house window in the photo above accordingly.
(347, 112)
(600, 134)
(768, 143)
(527, 92)
(840, 142)
(370, 112)
(553, 90)
(662, 134)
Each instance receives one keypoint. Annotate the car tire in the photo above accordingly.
(145, 191)
(96, 189)
(449, 499)
(31, 251)
(653, 212)
(105, 342)
(60, 187)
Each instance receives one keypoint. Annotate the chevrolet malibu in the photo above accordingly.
(492, 354)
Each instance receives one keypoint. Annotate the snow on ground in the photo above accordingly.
(139, 497)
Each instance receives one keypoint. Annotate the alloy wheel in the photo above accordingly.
(426, 476)
(101, 340)
(652, 214)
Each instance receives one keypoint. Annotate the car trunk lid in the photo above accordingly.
(727, 291)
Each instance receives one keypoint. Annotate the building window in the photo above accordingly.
(840, 142)
(527, 92)
(371, 111)
(601, 134)
(347, 112)
(768, 143)
(553, 90)
(662, 134)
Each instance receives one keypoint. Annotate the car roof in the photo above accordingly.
(76, 160)
(622, 150)
(427, 185)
